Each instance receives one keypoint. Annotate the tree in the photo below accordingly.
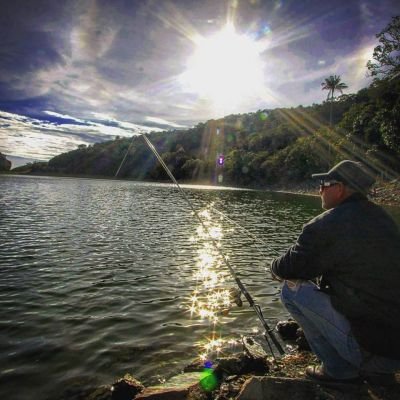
(5, 165)
(387, 54)
(331, 84)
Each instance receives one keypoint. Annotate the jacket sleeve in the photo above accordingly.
(302, 260)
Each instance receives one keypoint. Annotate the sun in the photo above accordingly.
(225, 68)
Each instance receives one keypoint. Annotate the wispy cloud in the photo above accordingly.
(92, 64)
(164, 122)
(41, 140)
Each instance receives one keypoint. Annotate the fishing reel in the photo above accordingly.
(235, 296)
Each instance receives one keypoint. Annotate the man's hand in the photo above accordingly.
(275, 277)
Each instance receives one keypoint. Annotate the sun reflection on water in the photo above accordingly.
(211, 300)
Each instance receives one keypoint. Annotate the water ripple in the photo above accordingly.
(95, 276)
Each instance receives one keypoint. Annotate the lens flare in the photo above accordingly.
(208, 380)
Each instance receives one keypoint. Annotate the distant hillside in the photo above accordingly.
(267, 147)
(5, 165)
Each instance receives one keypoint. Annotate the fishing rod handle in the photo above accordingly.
(276, 343)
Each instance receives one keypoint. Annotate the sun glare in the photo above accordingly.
(226, 68)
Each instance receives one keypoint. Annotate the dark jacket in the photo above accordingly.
(355, 248)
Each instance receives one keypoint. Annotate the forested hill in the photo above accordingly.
(266, 147)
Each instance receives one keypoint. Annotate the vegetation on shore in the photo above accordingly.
(5, 165)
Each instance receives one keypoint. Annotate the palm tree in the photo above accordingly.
(333, 83)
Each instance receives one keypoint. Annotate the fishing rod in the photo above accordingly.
(269, 334)
(233, 222)
(251, 236)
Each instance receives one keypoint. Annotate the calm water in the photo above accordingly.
(96, 276)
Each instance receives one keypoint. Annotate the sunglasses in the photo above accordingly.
(325, 184)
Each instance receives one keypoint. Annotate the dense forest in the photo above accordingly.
(266, 147)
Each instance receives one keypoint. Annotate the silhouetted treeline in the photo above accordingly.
(5, 165)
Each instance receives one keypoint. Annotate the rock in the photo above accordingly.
(241, 364)
(276, 389)
(229, 389)
(279, 388)
(229, 366)
(183, 380)
(287, 329)
(126, 388)
(194, 366)
(290, 330)
(301, 341)
(255, 346)
(163, 394)
(178, 387)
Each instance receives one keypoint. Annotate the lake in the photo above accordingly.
(99, 278)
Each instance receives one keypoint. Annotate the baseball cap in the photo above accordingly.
(351, 173)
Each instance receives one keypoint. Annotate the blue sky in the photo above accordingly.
(83, 71)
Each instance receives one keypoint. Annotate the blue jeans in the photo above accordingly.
(329, 334)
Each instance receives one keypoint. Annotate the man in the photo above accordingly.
(351, 318)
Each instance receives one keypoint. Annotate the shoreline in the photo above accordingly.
(250, 375)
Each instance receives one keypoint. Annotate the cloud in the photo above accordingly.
(107, 62)
(63, 118)
(18, 161)
(41, 140)
(163, 122)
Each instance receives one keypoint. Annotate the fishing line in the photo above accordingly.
(251, 236)
(248, 233)
(268, 331)
(123, 160)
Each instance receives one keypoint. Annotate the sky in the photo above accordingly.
(83, 71)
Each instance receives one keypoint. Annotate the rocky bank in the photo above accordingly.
(252, 374)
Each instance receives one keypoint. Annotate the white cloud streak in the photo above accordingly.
(115, 67)
(41, 140)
